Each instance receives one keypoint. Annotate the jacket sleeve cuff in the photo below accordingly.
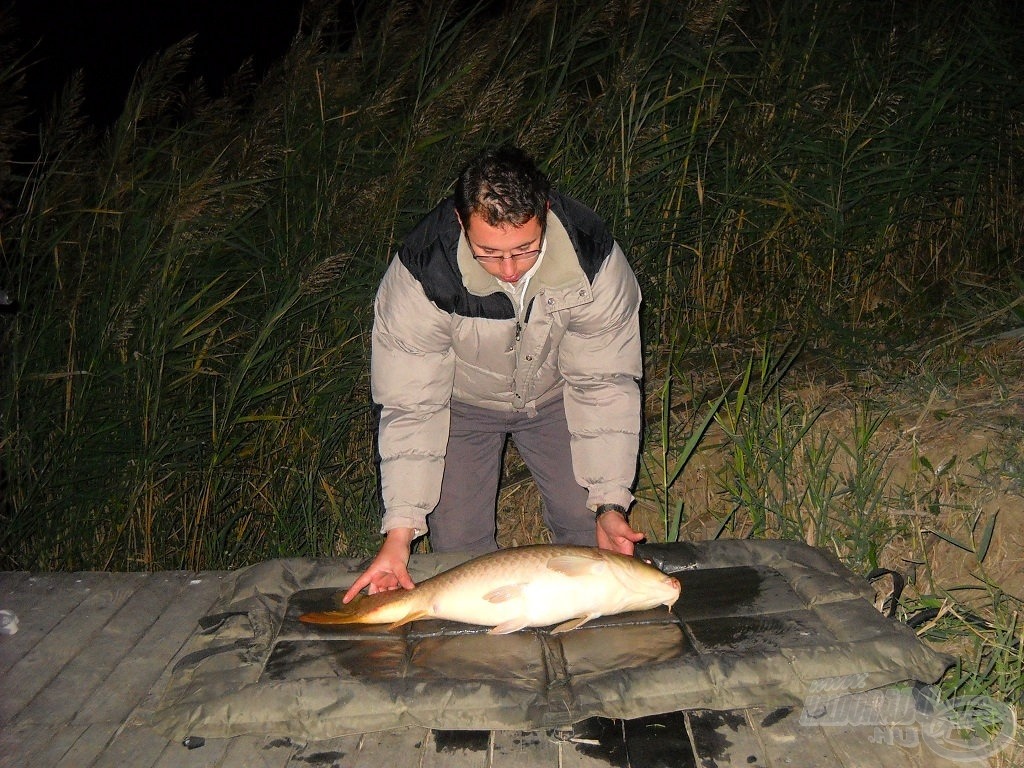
(405, 517)
(608, 494)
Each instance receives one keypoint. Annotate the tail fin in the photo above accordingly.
(382, 608)
(346, 613)
(331, 617)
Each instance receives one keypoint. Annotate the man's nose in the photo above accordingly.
(508, 267)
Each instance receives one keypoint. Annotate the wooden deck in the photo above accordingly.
(93, 651)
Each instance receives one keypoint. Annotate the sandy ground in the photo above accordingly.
(949, 448)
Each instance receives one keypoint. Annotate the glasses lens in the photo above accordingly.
(513, 257)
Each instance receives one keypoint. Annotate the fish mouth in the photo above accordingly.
(673, 583)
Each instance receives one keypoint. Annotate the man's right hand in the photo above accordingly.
(615, 533)
(389, 569)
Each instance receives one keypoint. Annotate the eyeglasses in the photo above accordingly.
(516, 257)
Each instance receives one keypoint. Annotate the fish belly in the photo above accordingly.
(536, 601)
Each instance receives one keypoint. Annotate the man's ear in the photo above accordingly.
(460, 221)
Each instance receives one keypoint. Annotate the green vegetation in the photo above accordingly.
(821, 200)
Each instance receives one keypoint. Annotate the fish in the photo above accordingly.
(532, 586)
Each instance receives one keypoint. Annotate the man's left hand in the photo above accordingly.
(615, 534)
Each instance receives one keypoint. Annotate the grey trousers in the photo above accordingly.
(464, 518)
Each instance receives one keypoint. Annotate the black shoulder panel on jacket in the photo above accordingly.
(429, 253)
(588, 233)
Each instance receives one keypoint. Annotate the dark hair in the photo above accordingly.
(504, 187)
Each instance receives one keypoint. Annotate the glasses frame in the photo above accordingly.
(533, 253)
(516, 257)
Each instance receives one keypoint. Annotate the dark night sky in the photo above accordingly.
(109, 39)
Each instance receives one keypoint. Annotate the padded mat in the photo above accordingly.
(758, 623)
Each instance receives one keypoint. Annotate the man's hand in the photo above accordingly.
(389, 569)
(615, 534)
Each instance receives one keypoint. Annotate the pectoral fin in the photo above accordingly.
(505, 593)
(576, 565)
(506, 627)
(572, 624)
(415, 615)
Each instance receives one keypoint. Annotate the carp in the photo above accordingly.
(531, 586)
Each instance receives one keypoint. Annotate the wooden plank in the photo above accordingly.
(596, 741)
(262, 752)
(787, 742)
(887, 727)
(135, 746)
(341, 751)
(34, 744)
(10, 579)
(12, 747)
(890, 746)
(392, 749)
(40, 602)
(659, 740)
(112, 645)
(133, 684)
(142, 747)
(724, 738)
(90, 744)
(133, 681)
(208, 754)
(458, 749)
(105, 740)
(523, 749)
(45, 661)
(12, 586)
(61, 745)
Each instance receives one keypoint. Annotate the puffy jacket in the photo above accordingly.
(444, 329)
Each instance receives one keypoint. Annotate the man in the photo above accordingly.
(509, 309)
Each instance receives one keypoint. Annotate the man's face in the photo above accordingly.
(506, 252)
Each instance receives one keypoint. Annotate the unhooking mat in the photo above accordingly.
(758, 623)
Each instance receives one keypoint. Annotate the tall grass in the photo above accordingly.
(174, 378)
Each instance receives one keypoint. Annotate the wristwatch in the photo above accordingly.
(602, 508)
